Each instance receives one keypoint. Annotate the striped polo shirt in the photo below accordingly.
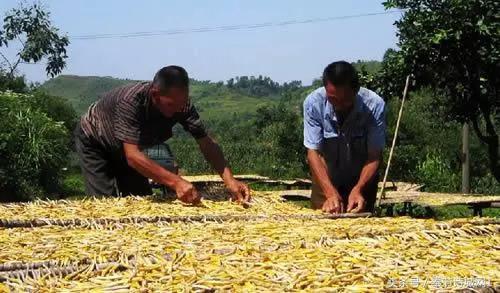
(126, 114)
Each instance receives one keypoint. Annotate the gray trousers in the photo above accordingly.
(105, 172)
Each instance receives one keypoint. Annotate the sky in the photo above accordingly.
(284, 53)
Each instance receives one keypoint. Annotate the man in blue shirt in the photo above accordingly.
(344, 133)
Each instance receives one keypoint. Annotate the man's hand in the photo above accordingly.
(239, 191)
(333, 204)
(186, 192)
(213, 154)
(356, 202)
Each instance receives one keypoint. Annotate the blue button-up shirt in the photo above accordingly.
(344, 148)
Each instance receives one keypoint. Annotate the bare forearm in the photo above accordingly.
(214, 156)
(368, 172)
(319, 170)
(149, 169)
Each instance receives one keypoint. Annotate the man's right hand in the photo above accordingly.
(186, 192)
(333, 204)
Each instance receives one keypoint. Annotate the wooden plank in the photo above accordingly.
(216, 178)
(401, 186)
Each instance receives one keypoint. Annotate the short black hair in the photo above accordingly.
(171, 76)
(341, 73)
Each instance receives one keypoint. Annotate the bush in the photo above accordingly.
(33, 148)
(73, 183)
(437, 175)
(282, 154)
(485, 185)
(12, 83)
(56, 108)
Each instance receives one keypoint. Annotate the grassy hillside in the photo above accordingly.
(214, 100)
(240, 97)
(81, 91)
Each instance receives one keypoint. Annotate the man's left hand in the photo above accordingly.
(239, 191)
(356, 202)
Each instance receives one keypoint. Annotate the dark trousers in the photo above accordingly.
(105, 172)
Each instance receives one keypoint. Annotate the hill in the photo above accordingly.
(213, 100)
(81, 91)
(240, 96)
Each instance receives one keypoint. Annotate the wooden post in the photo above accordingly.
(465, 159)
(381, 194)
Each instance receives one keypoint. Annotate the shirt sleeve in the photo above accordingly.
(191, 122)
(376, 131)
(127, 125)
(313, 128)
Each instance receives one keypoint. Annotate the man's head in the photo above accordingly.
(341, 82)
(170, 90)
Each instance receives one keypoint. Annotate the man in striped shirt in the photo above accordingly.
(112, 135)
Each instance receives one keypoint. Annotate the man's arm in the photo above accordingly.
(319, 171)
(376, 143)
(149, 169)
(214, 156)
(313, 138)
(369, 169)
(357, 202)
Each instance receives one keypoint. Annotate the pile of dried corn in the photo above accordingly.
(263, 203)
(264, 254)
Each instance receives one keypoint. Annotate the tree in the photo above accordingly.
(454, 47)
(32, 28)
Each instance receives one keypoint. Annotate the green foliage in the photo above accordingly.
(417, 134)
(33, 148)
(216, 101)
(282, 153)
(261, 86)
(425, 135)
(72, 184)
(462, 211)
(56, 108)
(437, 175)
(8, 82)
(369, 66)
(31, 26)
(454, 46)
(486, 184)
(389, 80)
(269, 143)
